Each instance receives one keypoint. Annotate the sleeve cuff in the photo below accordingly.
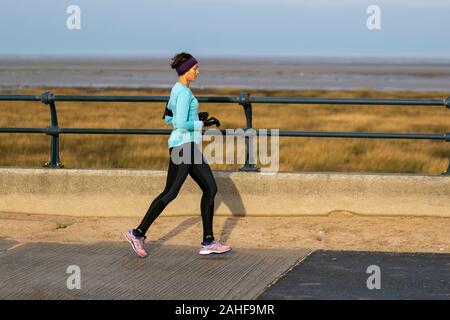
(168, 119)
(198, 125)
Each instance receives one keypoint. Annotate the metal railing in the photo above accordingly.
(244, 100)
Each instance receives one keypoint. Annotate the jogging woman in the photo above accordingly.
(182, 113)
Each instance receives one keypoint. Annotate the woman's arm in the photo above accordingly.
(180, 119)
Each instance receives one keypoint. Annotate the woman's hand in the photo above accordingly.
(212, 121)
(203, 116)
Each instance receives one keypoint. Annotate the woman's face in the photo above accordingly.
(192, 73)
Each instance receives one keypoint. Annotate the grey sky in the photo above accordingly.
(226, 27)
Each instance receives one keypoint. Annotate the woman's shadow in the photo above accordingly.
(233, 201)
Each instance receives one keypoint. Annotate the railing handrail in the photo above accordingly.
(243, 99)
(236, 99)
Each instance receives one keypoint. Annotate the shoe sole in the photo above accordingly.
(132, 245)
(206, 252)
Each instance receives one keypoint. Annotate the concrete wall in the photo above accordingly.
(78, 192)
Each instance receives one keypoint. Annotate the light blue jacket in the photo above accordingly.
(186, 125)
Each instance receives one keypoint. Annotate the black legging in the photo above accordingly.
(177, 173)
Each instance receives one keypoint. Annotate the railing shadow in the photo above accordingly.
(6, 244)
(236, 206)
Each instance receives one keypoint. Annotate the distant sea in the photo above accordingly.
(22, 72)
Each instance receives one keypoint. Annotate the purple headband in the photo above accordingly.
(186, 65)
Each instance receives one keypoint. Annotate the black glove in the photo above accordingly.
(203, 116)
(212, 121)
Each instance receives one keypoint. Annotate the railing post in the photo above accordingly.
(447, 135)
(48, 98)
(250, 165)
(447, 172)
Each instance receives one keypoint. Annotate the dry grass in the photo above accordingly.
(296, 154)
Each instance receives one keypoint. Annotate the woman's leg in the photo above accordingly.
(202, 175)
(176, 176)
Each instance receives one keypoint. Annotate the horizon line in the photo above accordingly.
(403, 57)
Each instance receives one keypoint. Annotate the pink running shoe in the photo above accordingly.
(137, 243)
(214, 247)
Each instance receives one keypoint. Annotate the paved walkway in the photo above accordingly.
(349, 274)
(110, 270)
(113, 271)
